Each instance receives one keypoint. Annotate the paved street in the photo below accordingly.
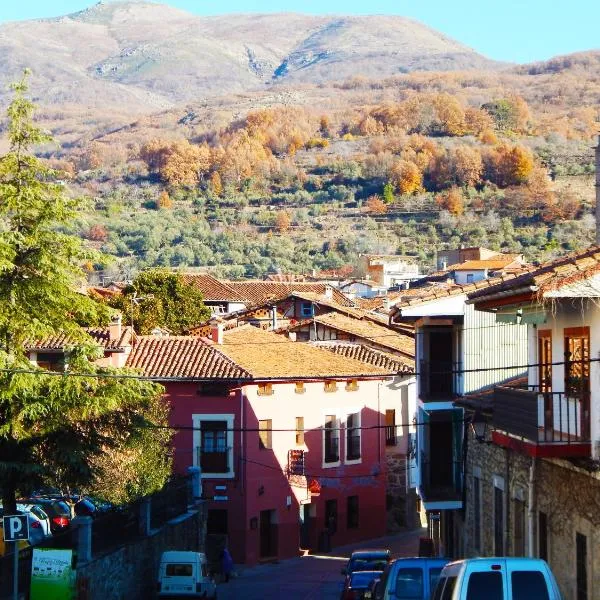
(309, 577)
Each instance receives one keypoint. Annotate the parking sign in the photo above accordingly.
(16, 528)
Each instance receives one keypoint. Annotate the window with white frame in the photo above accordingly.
(331, 440)
(213, 445)
(353, 436)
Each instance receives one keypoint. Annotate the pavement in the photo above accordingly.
(310, 577)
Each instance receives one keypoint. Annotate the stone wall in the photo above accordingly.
(130, 572)
(401, 503)
(565, 491)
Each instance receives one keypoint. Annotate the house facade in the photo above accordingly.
(387, 270)
(458, 351)
(537, 473)
(290, 439)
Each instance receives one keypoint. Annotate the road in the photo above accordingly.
(312, 577)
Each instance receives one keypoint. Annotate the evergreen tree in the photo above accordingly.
(55, 429)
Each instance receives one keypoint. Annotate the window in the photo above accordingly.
(331, 515)
(445, 592)
(265, 389)
(179, 570)
(577, 375)
(528, 584)
(351, 385)
(213, 447)
(498, 521)
(434, 577)
(469, 277)
(264, 434)
(477, 514)
(300, 389)
(353, 436)
(306, 309)
(299, 431)
(390, 427)
(543, 536)
(486, 584)
(409, 584)
(330, 386)
(51, 361)
(331, 439)
(352, 512)
(519, 527)
(212, 388)
(581, 566)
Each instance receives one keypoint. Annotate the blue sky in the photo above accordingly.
(512, 30)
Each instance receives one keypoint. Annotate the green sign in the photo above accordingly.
(52, 576)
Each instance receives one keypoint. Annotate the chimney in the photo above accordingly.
(216, 330)
(328, 291)
(115, 330)
(273, 317)
(598, 192)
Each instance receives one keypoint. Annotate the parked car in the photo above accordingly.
(185, 575)
(375, 559)
(39, 513)
(358, 585)
(410, 578)
(497, 578)
(36, 526)
(58, 511)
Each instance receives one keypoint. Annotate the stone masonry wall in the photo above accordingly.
(568, 494)
(130, 572)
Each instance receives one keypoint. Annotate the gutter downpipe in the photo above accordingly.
(531, 510)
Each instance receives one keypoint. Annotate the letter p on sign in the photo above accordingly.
(16, 527)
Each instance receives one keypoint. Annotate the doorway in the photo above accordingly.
(268, 534)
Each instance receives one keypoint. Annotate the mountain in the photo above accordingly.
(139, 57)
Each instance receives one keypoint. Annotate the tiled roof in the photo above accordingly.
(260, 292)
(549, 276)
(370, 356)
(368, 330)
(100, 335)
(212, 289)
(267, 355)
(185, 357)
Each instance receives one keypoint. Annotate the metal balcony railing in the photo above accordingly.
(543, 417)
(214, 460)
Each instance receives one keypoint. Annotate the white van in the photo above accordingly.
(185, 575)
(498, 578)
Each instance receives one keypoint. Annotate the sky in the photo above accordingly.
(509, 30)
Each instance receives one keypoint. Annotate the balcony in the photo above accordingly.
(439, 380)
(439, 489)
(214, 460)
(546, 424)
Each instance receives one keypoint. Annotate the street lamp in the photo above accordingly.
(479, 426)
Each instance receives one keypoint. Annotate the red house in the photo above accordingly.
(290, 438)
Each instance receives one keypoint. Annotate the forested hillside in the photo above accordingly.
(301, 176)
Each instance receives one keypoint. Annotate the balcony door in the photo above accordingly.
(577, 375)
(440, 364)
(545, 377)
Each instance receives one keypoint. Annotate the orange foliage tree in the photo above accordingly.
(164, 200)
(468, 165)
(509, 165)
(452, 200)
(407, 177)
(376, 205)
(282, 221)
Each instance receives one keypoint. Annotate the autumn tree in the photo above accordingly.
(97, 233)
(509, 165)
(509, 114)
(216, 185)
(164, 201)
(375, 205)
(283, 221)
(407, 177)
(452, 200)
(55, 429)
(450, 116)
(468, 165)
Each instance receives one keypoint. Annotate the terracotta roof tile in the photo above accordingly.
(549, 276)
(100, 335)
(490, 264)
(370, 356)
(212, 289)
(261, 292)
(182, 357)
(267, 355)
(368, 330)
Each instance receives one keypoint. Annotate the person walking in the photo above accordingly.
(226, 564)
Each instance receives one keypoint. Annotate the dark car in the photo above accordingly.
(58, 511)
(358, 585)
(368, 560)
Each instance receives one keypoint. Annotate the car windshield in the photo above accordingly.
(369, 562)
(363, 579)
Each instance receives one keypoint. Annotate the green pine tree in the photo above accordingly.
(58, 430)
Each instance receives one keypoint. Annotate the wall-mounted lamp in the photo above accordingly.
(261, 490)
(479, 426)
